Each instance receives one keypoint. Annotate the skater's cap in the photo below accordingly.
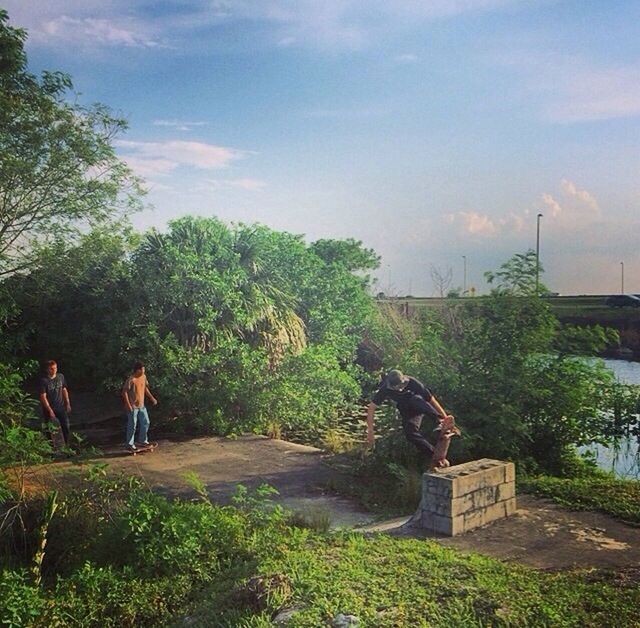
(396, 380)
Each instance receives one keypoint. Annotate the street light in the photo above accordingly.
(538, 254)
(622, 277)
(464, 283)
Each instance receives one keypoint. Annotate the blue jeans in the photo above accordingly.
(136, 414)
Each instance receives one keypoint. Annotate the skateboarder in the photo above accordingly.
(55, 402)
(134, 391)
(413, 401)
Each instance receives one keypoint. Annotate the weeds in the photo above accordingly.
(604, 493)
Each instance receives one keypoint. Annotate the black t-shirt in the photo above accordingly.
(412, 400)
(53, 386)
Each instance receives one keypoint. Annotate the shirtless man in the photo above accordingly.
(134, 391)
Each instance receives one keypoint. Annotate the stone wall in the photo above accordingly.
(466, 496)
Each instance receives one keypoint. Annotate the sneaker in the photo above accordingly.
(132, 448)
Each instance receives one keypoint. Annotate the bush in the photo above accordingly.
(119, 555)
(195, 539)
(21, 603)
(492, 363)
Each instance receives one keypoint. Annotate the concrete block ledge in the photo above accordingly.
(466, 496)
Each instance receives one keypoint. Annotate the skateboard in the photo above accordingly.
(55, 433)
(447, 431)
(143, 449)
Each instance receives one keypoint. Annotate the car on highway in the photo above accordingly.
(623, 300)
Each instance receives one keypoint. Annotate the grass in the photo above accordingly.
(618, 498)
(386, 581)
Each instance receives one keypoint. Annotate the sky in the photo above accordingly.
(434, 131)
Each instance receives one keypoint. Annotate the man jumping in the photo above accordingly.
(413, 401)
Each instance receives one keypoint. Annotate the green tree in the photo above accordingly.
(76, 304)
(205, 282)
(58, 167)
(348, 253)
(506, 368)
(517, 276)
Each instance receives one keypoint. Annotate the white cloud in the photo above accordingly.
(513, 222)
(406, 58)
(149, 167)
(155, 158)
(95, 31)
(573, 88)
(330, 24)
(572, 208)
(252, 185)
(179, 125)
(474, 223)
(582, 197)
(554, 207)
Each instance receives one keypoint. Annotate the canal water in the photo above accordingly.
(624, 458)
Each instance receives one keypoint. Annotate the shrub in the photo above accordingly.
(21, 602)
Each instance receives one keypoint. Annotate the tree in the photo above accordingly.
(517, 276)
(76, 303)
(509, 372)
(441, 280)
(205, 282)
(347, 253)
(58, 167)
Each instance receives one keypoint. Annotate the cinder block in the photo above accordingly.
(467, 496)
(510, 472)
(510, 506)
(466, 478)
(449, 526)
(506, 491)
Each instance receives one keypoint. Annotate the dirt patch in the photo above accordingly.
(540, 534)
(544, 535)
(298, 472)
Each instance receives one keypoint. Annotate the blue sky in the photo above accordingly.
(427, 129)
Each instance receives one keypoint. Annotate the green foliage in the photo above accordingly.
(348, 254)
(57, 163)
(20, 446)
(76, 304)
(16, 408)
(387, 581)
(502, 365)
(180, 538)
(517, 276)
(597, 491)
(306, 393)
(240, 327)
(165, 550)
(21, 603)
(239, 565)
(589, 340)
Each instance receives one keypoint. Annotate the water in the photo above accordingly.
(624, 459)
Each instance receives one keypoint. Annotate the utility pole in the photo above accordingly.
(538, 255)
(464, 283)
(621, 277)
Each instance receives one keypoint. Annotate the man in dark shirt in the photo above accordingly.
(413, 401)
(54, 398)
